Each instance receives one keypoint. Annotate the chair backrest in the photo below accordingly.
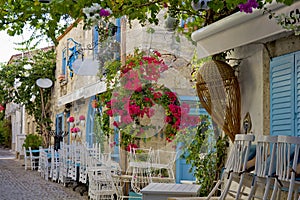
(241, 151)
(25, 153)
(140, 155)
(265, 155)
(30, 152)
(287, 157)
(164, 157)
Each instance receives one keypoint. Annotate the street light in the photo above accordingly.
(43, 83)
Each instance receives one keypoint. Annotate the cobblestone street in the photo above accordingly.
(18, 184)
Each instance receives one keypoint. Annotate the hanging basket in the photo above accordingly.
(219, 93)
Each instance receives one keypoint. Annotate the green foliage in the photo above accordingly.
(5, 133)
(206, 154)
(33, 140)
(51, 19)
(18, 83)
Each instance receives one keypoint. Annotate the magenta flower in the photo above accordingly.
(247, 7)
(104, 12)
(71, 119)
(81, 117)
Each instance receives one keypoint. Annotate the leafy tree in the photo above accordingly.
(18, 84)
(51, 19)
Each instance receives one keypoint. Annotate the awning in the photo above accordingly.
(84, 92)
(239, 29)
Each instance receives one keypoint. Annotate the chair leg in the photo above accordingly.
(212, 192)
(274, 193)
(226, 189)
(253, 187)
(240, 187)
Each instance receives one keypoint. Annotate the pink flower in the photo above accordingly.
(76, 129)
(157, 95)
(71, 119)
(112, 144)
(109, 112)
(81, 117)
(116, 124)
(131, 147)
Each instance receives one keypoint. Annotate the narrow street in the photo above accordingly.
(18, 184)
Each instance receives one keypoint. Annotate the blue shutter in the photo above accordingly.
(297, 94)
(64, 62)
(282, 95)
(95, 40)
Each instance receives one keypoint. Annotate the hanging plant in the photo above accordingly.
(137, 98)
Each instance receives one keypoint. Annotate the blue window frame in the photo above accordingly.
(95, 41)
(285, 95)
(64, 61)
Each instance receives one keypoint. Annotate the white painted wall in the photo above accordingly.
(250, 78)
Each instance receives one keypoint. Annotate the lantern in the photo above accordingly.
(219, 93)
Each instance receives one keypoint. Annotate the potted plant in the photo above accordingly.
(62, 79)
(82, 120)
(94, 103)
(71, 120)
(34, 141)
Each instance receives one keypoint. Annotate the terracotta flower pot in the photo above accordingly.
(94, 103)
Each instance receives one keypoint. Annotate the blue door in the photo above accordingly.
(182, 168)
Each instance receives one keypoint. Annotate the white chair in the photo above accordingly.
(54, 165)
(139, 167)
(101, 184)
(139, 158)
(34, 160)
(164, 160)
(26, 158)
(45, 167)
(286, 166)
(64, 164)
(83, 164)
(240, 152)
(264, 165)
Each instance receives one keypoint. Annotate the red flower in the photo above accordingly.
(131, 147)
(109, 112)
(71, 119)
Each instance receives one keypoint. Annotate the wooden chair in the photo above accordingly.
(264, 165)
(286, 165)
(240, 152)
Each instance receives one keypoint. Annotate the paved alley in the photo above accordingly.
(18, 184)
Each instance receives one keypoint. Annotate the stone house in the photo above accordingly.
(79, 53)
(268, 72)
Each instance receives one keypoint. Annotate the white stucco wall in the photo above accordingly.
(250, 78)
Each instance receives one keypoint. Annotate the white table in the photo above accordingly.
(161, 191)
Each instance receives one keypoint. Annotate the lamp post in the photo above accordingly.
(43, 83)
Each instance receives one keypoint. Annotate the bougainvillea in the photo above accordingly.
(139, 97)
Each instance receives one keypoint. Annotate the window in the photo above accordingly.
(95, 41)
(285, 95)
(64, 61)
